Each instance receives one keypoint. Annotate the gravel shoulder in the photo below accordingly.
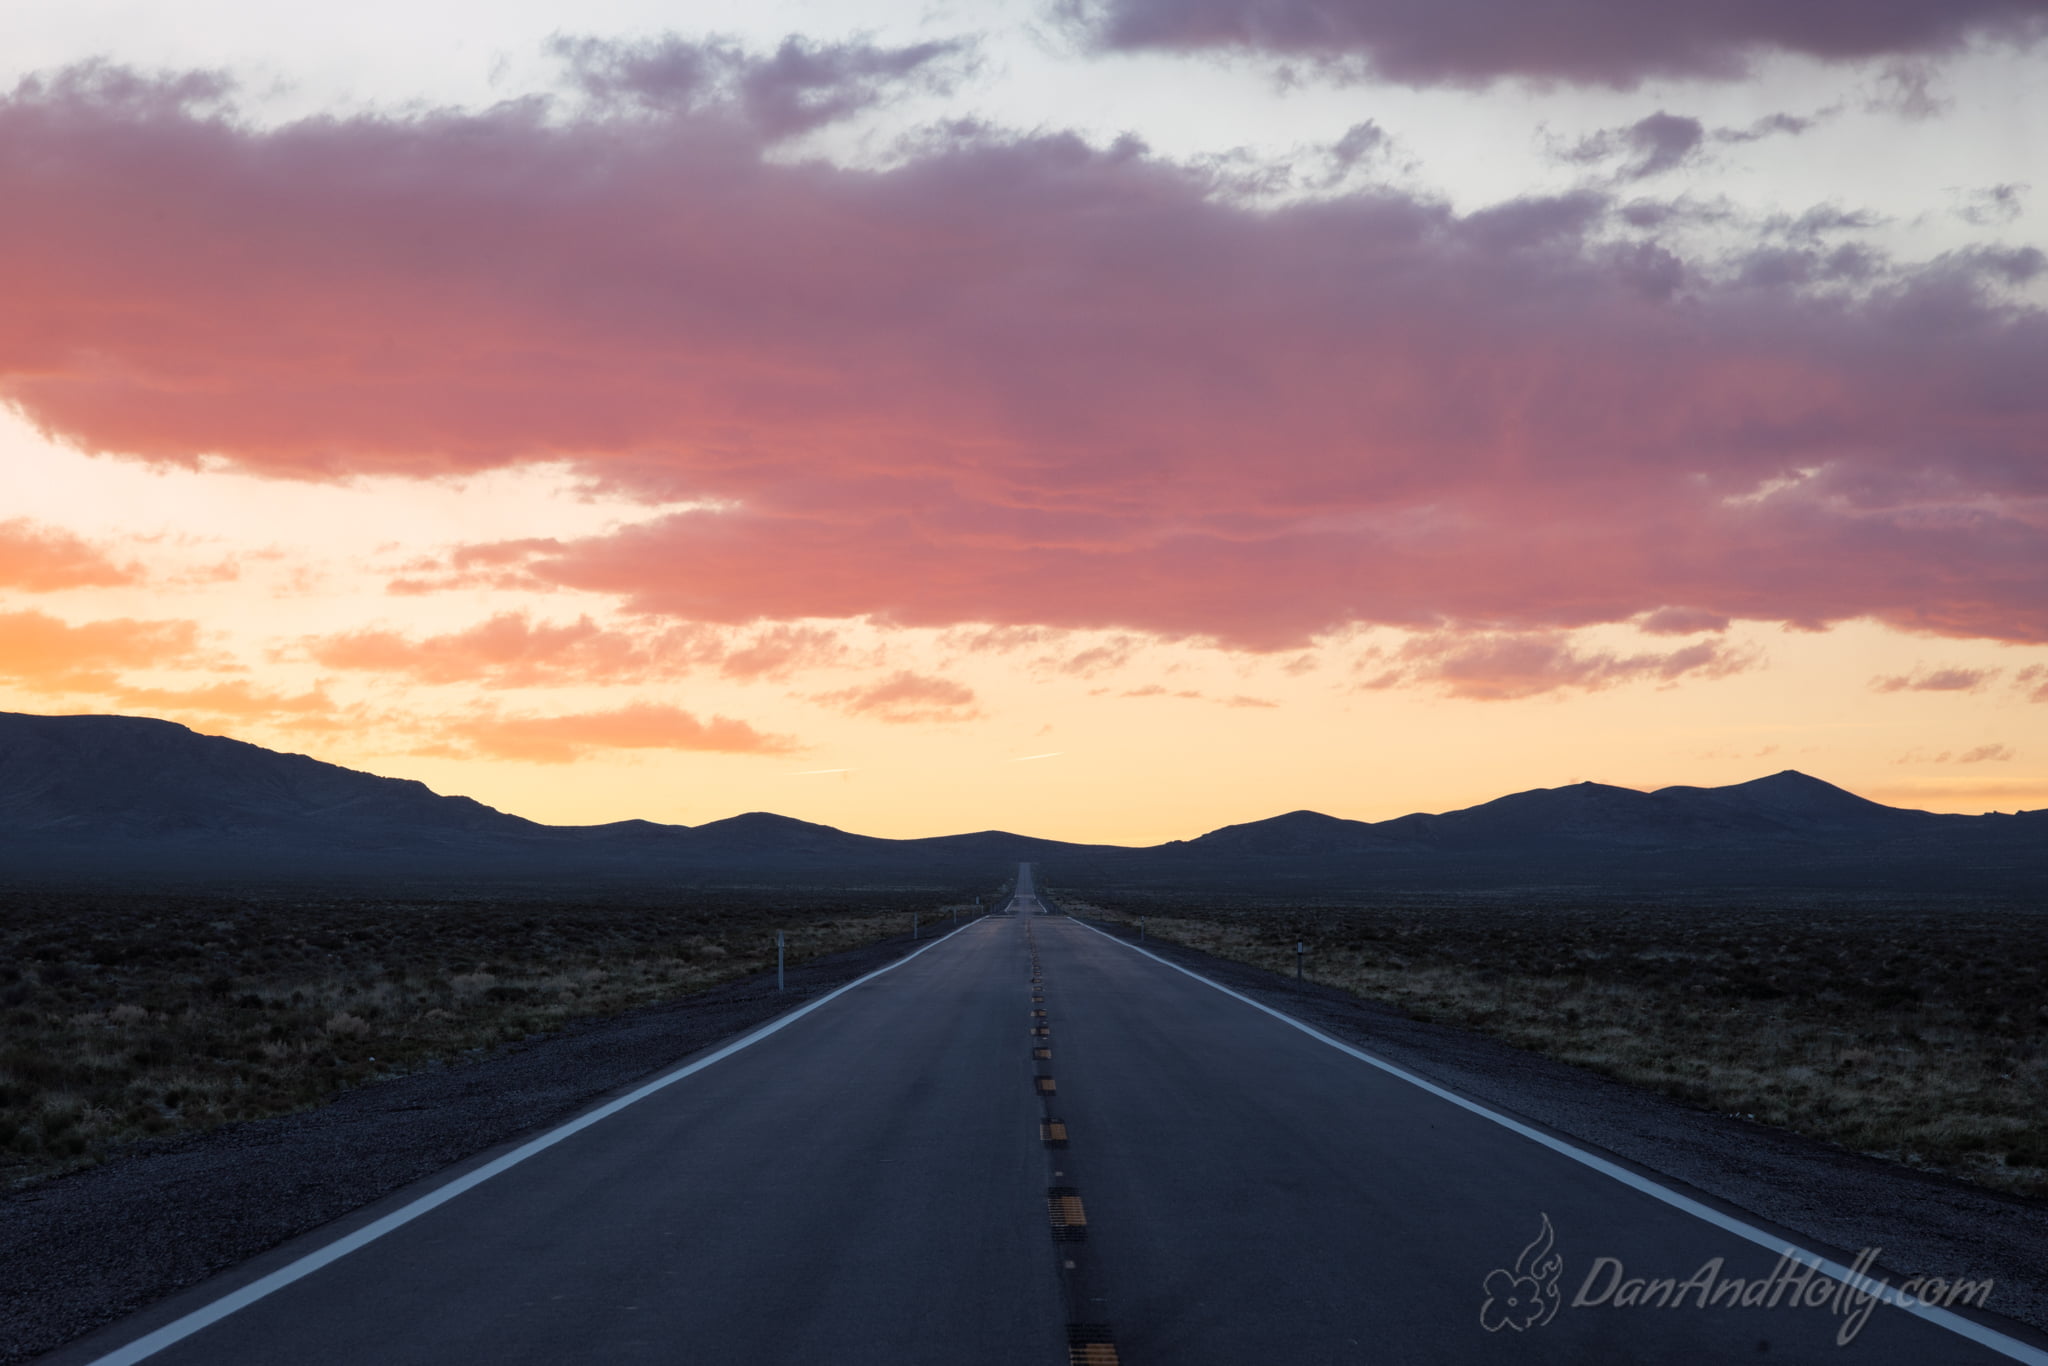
(83, 1250)
(1924, 1223)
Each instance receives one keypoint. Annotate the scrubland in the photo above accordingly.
(125, 1017)
(1917, 1033)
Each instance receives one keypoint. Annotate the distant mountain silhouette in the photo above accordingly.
(99, 776)
(123, 797)
(1787, 804)
(1297, 832)
(765, 832)
(1794, 799)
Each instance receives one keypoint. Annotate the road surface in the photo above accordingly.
(882, 1179)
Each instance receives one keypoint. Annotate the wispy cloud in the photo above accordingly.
(1934, 680)
(1593, 42)
(46, 653)
(45, 559)
(512, 650)
(905, 697)
(1497, 667)
(564, 738)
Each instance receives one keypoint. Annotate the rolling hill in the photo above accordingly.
(126, 798)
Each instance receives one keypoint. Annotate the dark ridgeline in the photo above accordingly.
(123, 799)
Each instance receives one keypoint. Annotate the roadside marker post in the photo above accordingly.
(913, 925)
(778, 960)
(1300, 952)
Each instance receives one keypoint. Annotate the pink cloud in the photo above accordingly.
(1496, 668)
(1000, 639)
(1980, 755)
(511, 650)
(905, 697)
(1935, 680)
(1598, 42)
(42, 559)
(236, 700)
(43, 652)
(1017, 382)
(779, 651)
(1986, 754)
(641, 725)
(1192, 695)
(1092, 661)
(48, 655)
(1681, 621)
(492, 564)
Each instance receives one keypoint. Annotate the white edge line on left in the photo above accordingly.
(149, 1344)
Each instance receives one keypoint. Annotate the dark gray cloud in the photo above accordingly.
(1993, 205)
(796, 88)
(1594, 42)
(1647, 147)
(1663, 141)
(1906, 88)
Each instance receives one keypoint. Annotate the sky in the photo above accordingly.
(1102, 419)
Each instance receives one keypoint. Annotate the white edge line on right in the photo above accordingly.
(1976, 1332)
(176, 1331)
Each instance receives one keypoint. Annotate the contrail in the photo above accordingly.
(1029, 757)
(814, 772)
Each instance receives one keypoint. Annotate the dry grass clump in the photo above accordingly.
(125, 1017)
(1910, 1034)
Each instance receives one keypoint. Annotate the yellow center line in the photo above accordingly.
(1067, 1211)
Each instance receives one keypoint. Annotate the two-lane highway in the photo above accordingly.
(1024, 900)
(876, 1180)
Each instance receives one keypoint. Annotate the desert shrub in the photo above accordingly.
(1907, 1031)
(131, 1016)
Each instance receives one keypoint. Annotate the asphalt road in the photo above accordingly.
(871, 1183)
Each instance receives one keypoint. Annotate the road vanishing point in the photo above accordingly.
(1030, 1142)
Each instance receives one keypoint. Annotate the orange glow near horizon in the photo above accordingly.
(558, 707)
